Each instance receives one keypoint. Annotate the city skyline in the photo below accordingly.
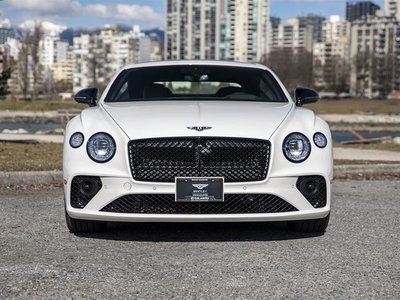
(148, 14)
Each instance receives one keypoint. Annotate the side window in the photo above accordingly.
(268, 90)
(123, 92)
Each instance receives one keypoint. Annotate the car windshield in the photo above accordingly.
(194, 82)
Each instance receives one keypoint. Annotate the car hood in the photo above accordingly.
(149, 119)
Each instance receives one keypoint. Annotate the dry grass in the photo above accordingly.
(384, 146)
(40, 105)
(353, 106)
(341, 162)
(30, 157)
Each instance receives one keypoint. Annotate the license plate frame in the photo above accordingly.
(199, 189)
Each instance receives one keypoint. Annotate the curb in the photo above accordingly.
(30, 178)
(367, 171)
(376, 171)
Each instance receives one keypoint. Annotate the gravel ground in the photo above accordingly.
(356, 258)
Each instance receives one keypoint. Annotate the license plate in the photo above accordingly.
(199, 189)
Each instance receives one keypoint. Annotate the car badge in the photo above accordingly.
(200, 186)
(199, 128)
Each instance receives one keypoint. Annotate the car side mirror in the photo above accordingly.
(305, 96)
(87, 96)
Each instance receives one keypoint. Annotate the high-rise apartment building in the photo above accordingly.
(335, 29)
(217, 29)
(193, 29)
(392, 8)
(52, 50)
(292, 35)
(332, 56)
(5, 33)
(63, 71)
(100, 56)
(316, 22)
(356, 10)
(245, 33)
(375, 52)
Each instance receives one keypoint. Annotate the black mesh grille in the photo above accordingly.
(316, 197)
(165, 204)
(79, 198)
(161, 160)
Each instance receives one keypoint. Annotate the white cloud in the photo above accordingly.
(47, 27)
(45, 6)
(137, 12)
(5, 23)
(72, 8)
(96, 10)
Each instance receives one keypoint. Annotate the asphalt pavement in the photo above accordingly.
(357, 258)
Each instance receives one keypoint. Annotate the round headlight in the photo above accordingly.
(320, 140)
(76, 140)
(296, 147)
(101, 147)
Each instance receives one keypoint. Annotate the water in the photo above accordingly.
(338, 136)
(342, 136)
(31, 127)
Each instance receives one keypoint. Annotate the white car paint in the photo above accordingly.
(137, 120)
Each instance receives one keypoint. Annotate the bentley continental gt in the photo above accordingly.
(197, 141)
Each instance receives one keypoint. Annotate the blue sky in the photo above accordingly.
(292, 8)
(147, 13)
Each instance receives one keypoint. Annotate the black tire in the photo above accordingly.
(316, 225)
(84, 226)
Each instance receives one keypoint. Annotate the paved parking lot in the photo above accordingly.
(358, 257)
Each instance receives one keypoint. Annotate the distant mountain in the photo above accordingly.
(156, 33)
(70, 33)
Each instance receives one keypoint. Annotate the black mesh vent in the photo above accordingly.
(317, 196)
(161, 160)
(80, 197)
(165, 204)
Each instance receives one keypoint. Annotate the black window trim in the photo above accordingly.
(268, 73)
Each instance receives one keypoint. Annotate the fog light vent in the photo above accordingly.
(313, 188)
(83, 189)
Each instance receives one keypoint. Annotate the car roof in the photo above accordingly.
(196, 62)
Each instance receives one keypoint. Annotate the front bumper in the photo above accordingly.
(115, 187)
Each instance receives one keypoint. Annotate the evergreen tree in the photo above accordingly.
(4, 77)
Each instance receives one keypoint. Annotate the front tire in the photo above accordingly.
(84, 226)
(316, 225)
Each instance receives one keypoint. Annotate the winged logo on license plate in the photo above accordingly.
(200, 186)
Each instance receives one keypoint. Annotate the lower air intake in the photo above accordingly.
(165, 204)
(313, 188)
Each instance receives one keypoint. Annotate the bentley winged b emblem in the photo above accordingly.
(200, 186)
(199, 128)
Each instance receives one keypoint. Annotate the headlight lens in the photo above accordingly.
(296, 147)
(76, 140)
(320, 140)
(101, 147)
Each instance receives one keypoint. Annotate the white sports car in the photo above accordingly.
(197, 141)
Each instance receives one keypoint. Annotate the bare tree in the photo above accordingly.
(48, 88)
(93, 67)
(23, 66)
(28, 65)
(336, 74)
(62, 86)
(293, 66)
(35, 53)
(99, 72)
